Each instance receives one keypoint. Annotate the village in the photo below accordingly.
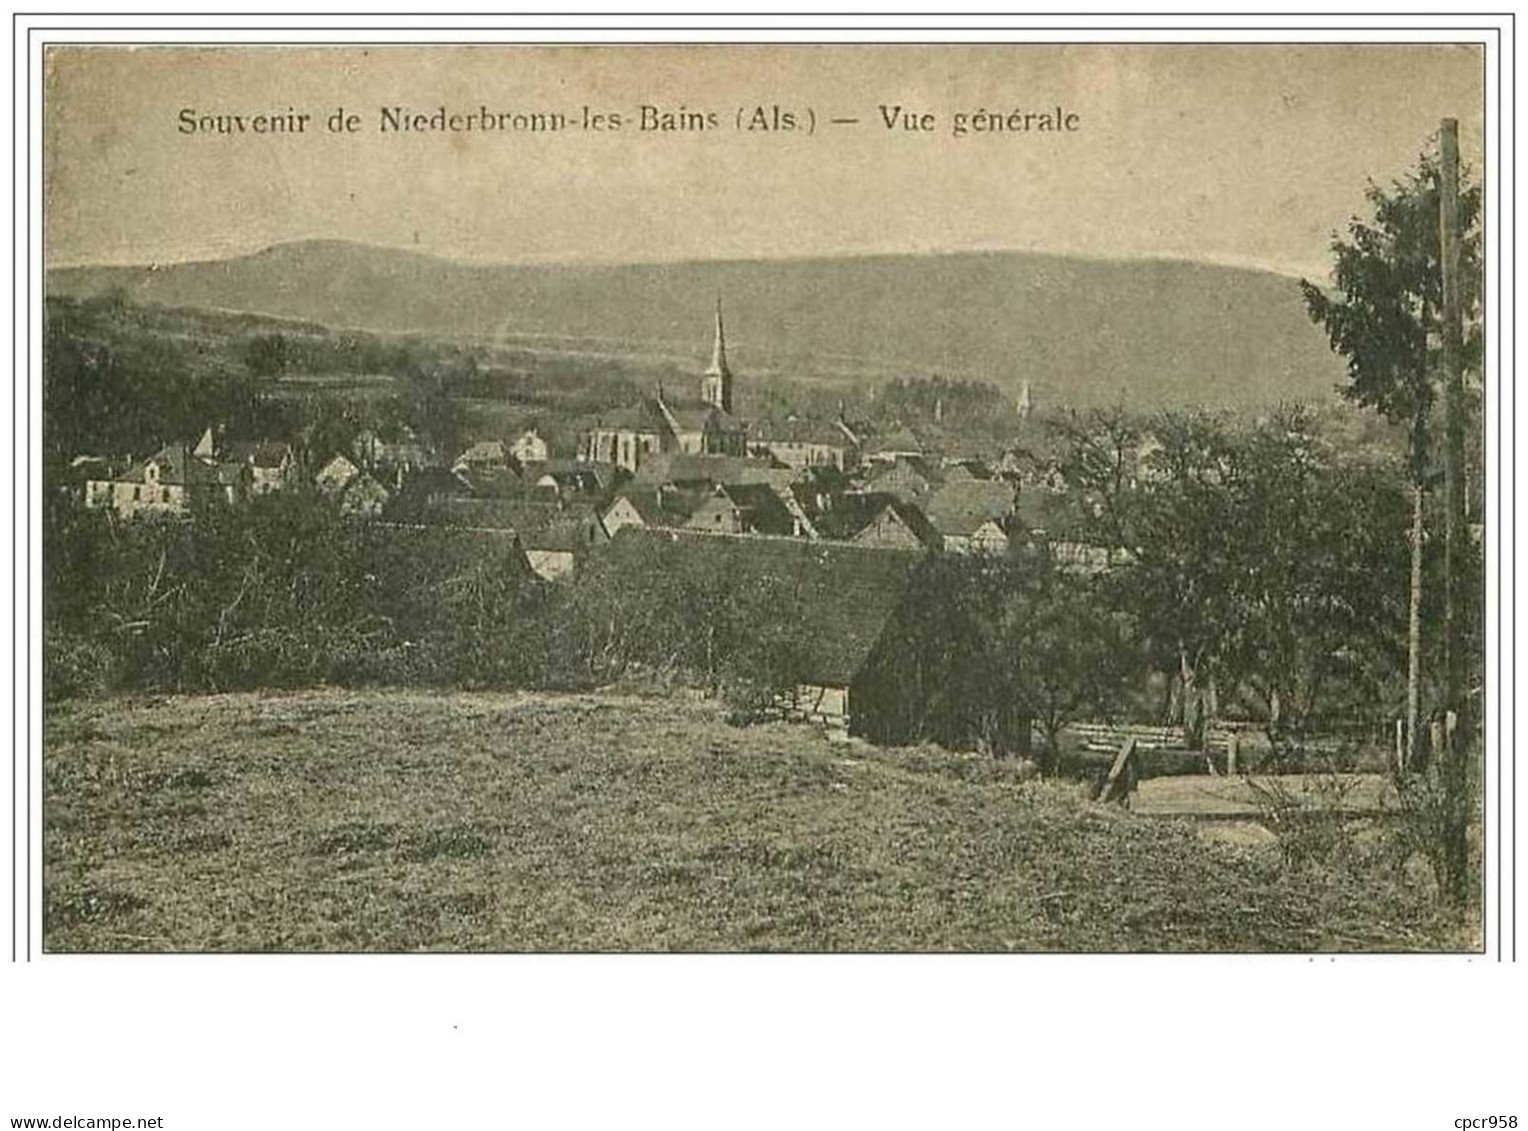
(682, 467)
(675, 462)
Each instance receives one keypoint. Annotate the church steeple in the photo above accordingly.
(716, 385)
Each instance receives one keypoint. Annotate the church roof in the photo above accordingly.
(644, 417)
(699, 416)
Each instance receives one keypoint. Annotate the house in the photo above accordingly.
(624, 512)
(972, 514)
(483, 455)
(529, 447)
(898, 525)
(335, 476)
(85, 470)
(428, 494)
(751, 508)
(818, 488)
(1046, 518)
(352, 489)
(840, 604)
(798, 442)
(1030, 468)
(554, 538)
(487, 482)
(168, 482)
(640, 507)
(364, 496)
(897, 444)
(392, 460)
(272, 463)
(559, 478)
(908, 478)
(873, 519)
(967, 467)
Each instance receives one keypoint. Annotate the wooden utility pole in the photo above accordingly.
(1455, 740)
(1408, 759)
(1455, 661)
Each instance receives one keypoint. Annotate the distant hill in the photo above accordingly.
(1082, 331)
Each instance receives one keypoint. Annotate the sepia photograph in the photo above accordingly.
(1006, 497)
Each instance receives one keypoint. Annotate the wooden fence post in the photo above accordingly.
(1121, 779)
(1233, 751)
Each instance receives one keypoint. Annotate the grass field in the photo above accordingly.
(327, 820)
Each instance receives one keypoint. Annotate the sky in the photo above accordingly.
(1238, 154)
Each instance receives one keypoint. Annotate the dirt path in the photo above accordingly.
(1227, 797)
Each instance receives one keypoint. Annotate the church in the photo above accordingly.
(705, 425)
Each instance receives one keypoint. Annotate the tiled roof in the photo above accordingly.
(484, 451)
(644, 417)
(1052, 512)
(800, 430)
(916, 521)
(179, 468)
(571, 530)
(260, 453)
(851, 514)
(961, 507)
(904, 478)
(897, 440)
(492, 482)
(339, 468)
(697, 416)
(761, 509)
(836, 599)
(714, 469)
(578, 475)
(650, 505)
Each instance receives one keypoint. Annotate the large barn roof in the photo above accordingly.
(960, 508)
(840, 597)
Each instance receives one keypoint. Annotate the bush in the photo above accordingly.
(1312, 825)
(75, 666)
(1428, 815)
